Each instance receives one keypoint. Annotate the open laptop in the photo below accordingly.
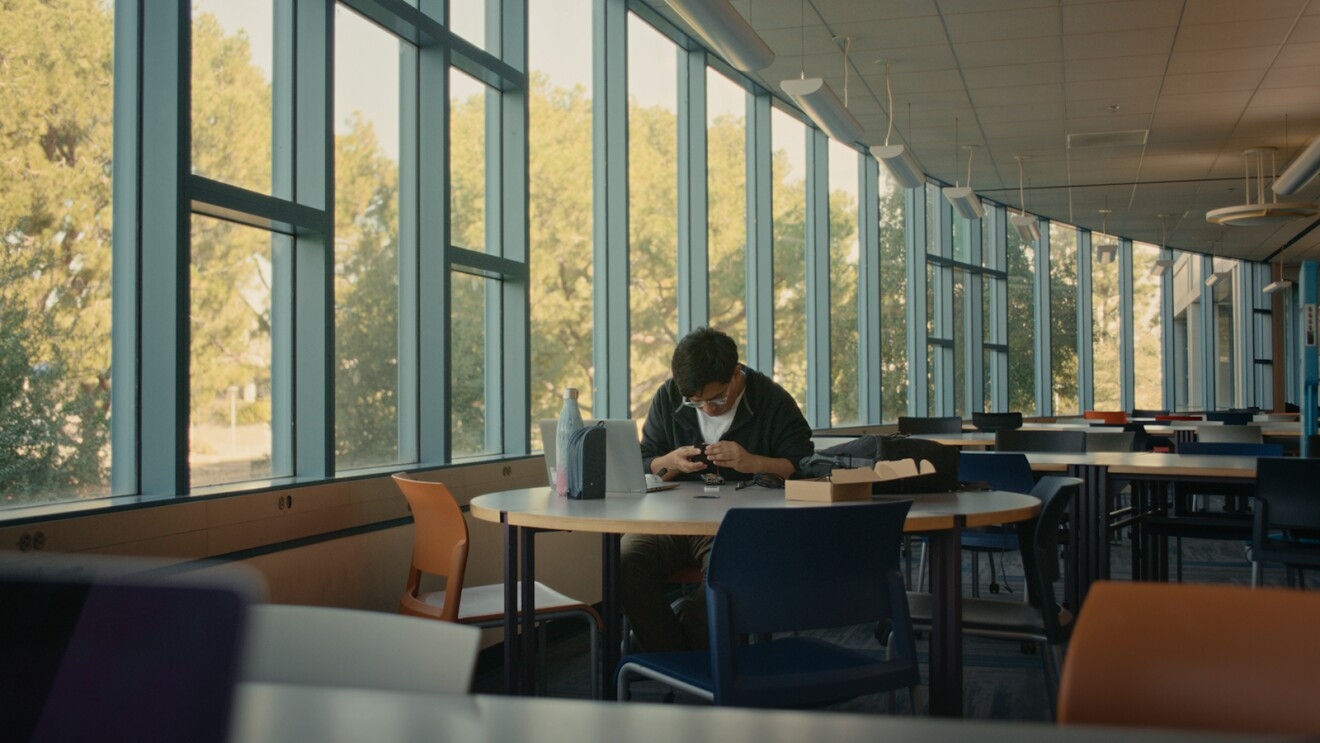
(623, 456)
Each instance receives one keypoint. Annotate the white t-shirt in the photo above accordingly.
(714, 426)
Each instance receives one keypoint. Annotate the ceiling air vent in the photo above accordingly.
(1130, 138)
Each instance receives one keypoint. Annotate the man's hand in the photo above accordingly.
(683, 460)
(731, 454)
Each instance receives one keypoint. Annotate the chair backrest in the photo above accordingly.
(1057, 495)
(1148, 412)
(945, 424)
(1110, 440)
(1040, 440)
(440, 546)
(324, 646)
(1223, 433)
(1287, 495)
(1229, 417)
(1218, 658)
(832, 561)
(996, 421)
(1116, 417)
(1000, 470)
(790, 569)
(1230, 449)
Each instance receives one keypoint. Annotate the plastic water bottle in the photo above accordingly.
(570, 420)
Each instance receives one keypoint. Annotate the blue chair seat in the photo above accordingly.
(821, 673)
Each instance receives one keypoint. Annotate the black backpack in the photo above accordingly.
(865, 451)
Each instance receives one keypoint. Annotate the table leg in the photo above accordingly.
(511, 664)
(612, 612)
(1090, 532)
(946, 692)
(528, 613)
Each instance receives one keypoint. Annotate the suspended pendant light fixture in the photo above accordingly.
(896, 158)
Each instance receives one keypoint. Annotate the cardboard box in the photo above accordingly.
(854, 484)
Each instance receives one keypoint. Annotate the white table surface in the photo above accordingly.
(291, 713)
(691, 509)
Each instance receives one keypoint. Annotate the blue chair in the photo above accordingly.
(1230, 417)
(788, 570)
(1286, 527)
(1185, 521)
(1041, 620)
(999, 471)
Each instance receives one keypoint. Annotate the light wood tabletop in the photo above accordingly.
(691, 509)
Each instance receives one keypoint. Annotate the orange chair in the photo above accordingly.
(1110, 417)
(440, 547)
(1219, 658)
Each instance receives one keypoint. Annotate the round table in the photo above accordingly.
(694, 509)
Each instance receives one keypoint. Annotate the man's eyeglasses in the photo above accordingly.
(716, 401)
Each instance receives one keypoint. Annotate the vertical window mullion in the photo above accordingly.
(693, 197)
(818, 279)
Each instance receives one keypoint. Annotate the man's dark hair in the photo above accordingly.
(703, 356)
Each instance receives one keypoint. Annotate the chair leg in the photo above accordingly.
(593, 637)
(914, 700)
(1049, 658)
(1177, 546)
(921, 569)
(540, 660)
(623, 687)
(976, 574)
(1257, 573)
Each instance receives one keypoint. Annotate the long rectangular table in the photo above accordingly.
(291, 714)
(1101, 472)
(690, 510)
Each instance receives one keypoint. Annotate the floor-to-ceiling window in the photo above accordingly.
(1225, 340)
(1021, 267)
(726, 188)
(367, 102)
(653, 209)
(788, 194)
(893, 301)
(843, 283)
(1106, 324)
(559, 203)
(1063, 318)
(1147, 330)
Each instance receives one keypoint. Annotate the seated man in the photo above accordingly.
(714, 416)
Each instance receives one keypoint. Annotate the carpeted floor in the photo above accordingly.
(1001, 681)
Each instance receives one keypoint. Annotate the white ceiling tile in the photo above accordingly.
(1002, 25)
(1118, 43)
(1009, 75)
(1110, 68)
(1125, 16)
(1298, 53)
(1291, 77)
(1244, 33)
(1221, 11)
(1039, 50)
(1221, 101)
(875, 38)
(1131, 95)
(851, 11)
(1210, 82)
